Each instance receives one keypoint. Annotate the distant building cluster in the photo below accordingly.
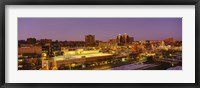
(124, 39)
(89, 51)
(53, 48)
(170, 41)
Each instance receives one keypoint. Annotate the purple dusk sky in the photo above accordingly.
(75, 29)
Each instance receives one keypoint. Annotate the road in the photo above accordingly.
(123, 66)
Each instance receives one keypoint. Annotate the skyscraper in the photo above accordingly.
(125, 38)
(119, 39)
(90, 40)
(131, 39)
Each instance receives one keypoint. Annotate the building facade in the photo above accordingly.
(125, 38)
(90, 40)
(30, 49)
(119, 39)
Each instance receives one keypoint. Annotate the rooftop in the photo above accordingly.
(68, 57)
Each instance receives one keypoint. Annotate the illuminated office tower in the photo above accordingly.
(125, 38)
(119, 39)
(90, 40)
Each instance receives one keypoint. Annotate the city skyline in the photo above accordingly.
(75, 29)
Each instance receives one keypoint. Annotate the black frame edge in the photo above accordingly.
(197, 48)
(2, 44)
(102, 2)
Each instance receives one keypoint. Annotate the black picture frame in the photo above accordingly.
(99, 2)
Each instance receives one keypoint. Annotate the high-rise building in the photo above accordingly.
(90, 40)
(131, 39)
(125, 38)
(119, 39)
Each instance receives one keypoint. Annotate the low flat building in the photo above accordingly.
(55, 62)
(30, 49)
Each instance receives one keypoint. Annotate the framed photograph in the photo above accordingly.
(100, 43)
